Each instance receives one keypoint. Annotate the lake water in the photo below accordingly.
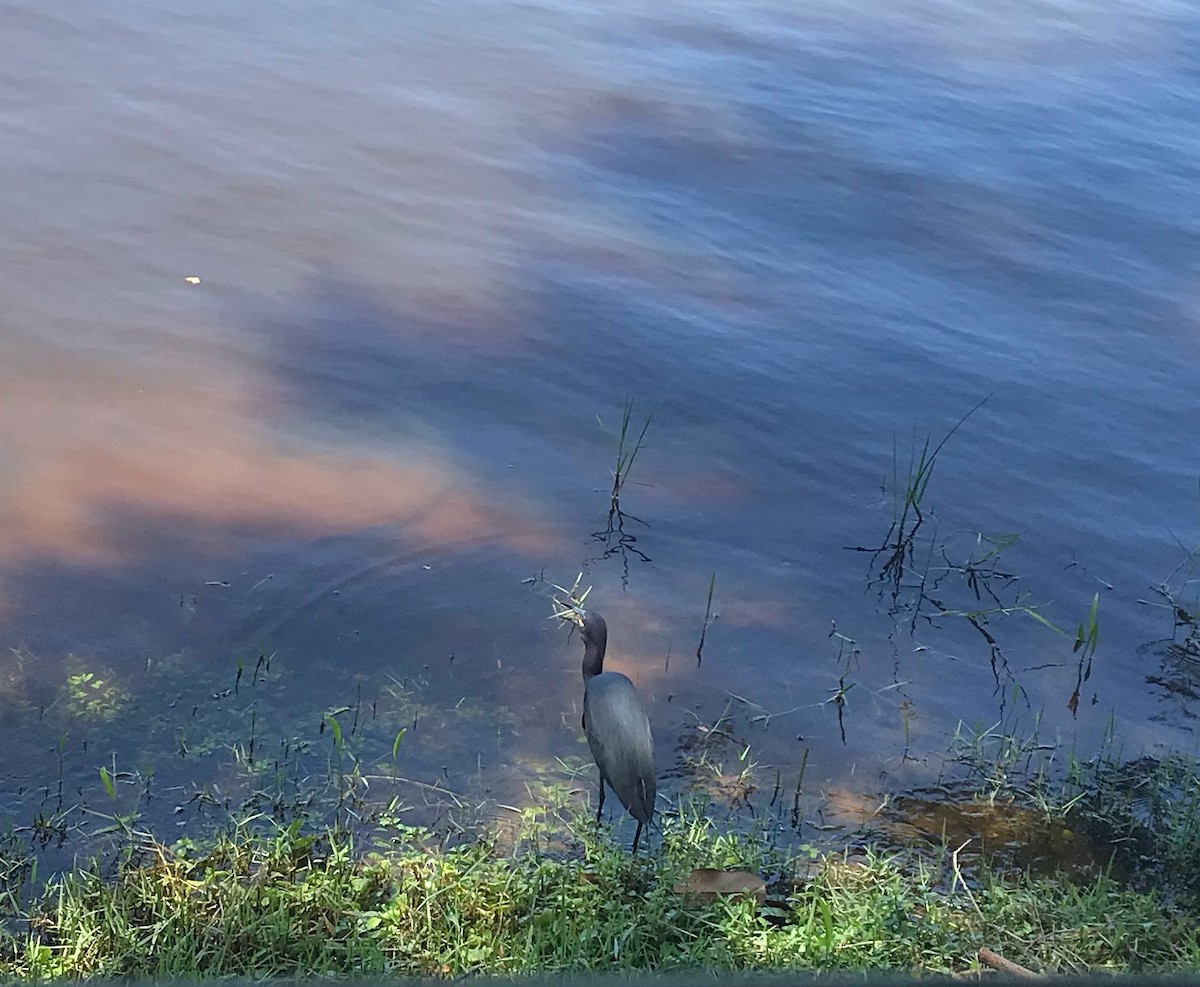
(439, 246)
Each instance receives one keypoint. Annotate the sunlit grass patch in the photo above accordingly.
(565, 897)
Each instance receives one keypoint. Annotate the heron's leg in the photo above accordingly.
(636, 836)
(600, 809)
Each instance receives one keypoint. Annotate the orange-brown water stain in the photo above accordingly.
(774, 615)
(958, 830)
(1010, 835)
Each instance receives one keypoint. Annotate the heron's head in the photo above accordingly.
(593, 630)
(592, 627)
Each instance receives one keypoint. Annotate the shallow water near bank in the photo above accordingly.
(438, 251)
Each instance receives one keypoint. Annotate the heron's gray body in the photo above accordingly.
(617, 729)
(618, 732)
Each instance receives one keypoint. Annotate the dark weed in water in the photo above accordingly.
(895, 555)
(846, 660)
(708, 613)
(929, 579)
(615, 539)
(1179, 655)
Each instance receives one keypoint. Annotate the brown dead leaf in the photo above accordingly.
(706, 885)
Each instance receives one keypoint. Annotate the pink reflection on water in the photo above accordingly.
(776, 615)
(86, 450)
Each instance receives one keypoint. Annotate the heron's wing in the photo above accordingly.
(618, 733)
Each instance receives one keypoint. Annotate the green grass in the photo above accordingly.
(564, 898)
(627, 450)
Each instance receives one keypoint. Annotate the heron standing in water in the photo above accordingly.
(616, 725)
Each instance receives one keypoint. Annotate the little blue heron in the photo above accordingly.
(617, 727)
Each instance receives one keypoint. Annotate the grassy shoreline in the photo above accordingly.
(557, 895)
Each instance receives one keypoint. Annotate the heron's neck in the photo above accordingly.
(593, 660)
